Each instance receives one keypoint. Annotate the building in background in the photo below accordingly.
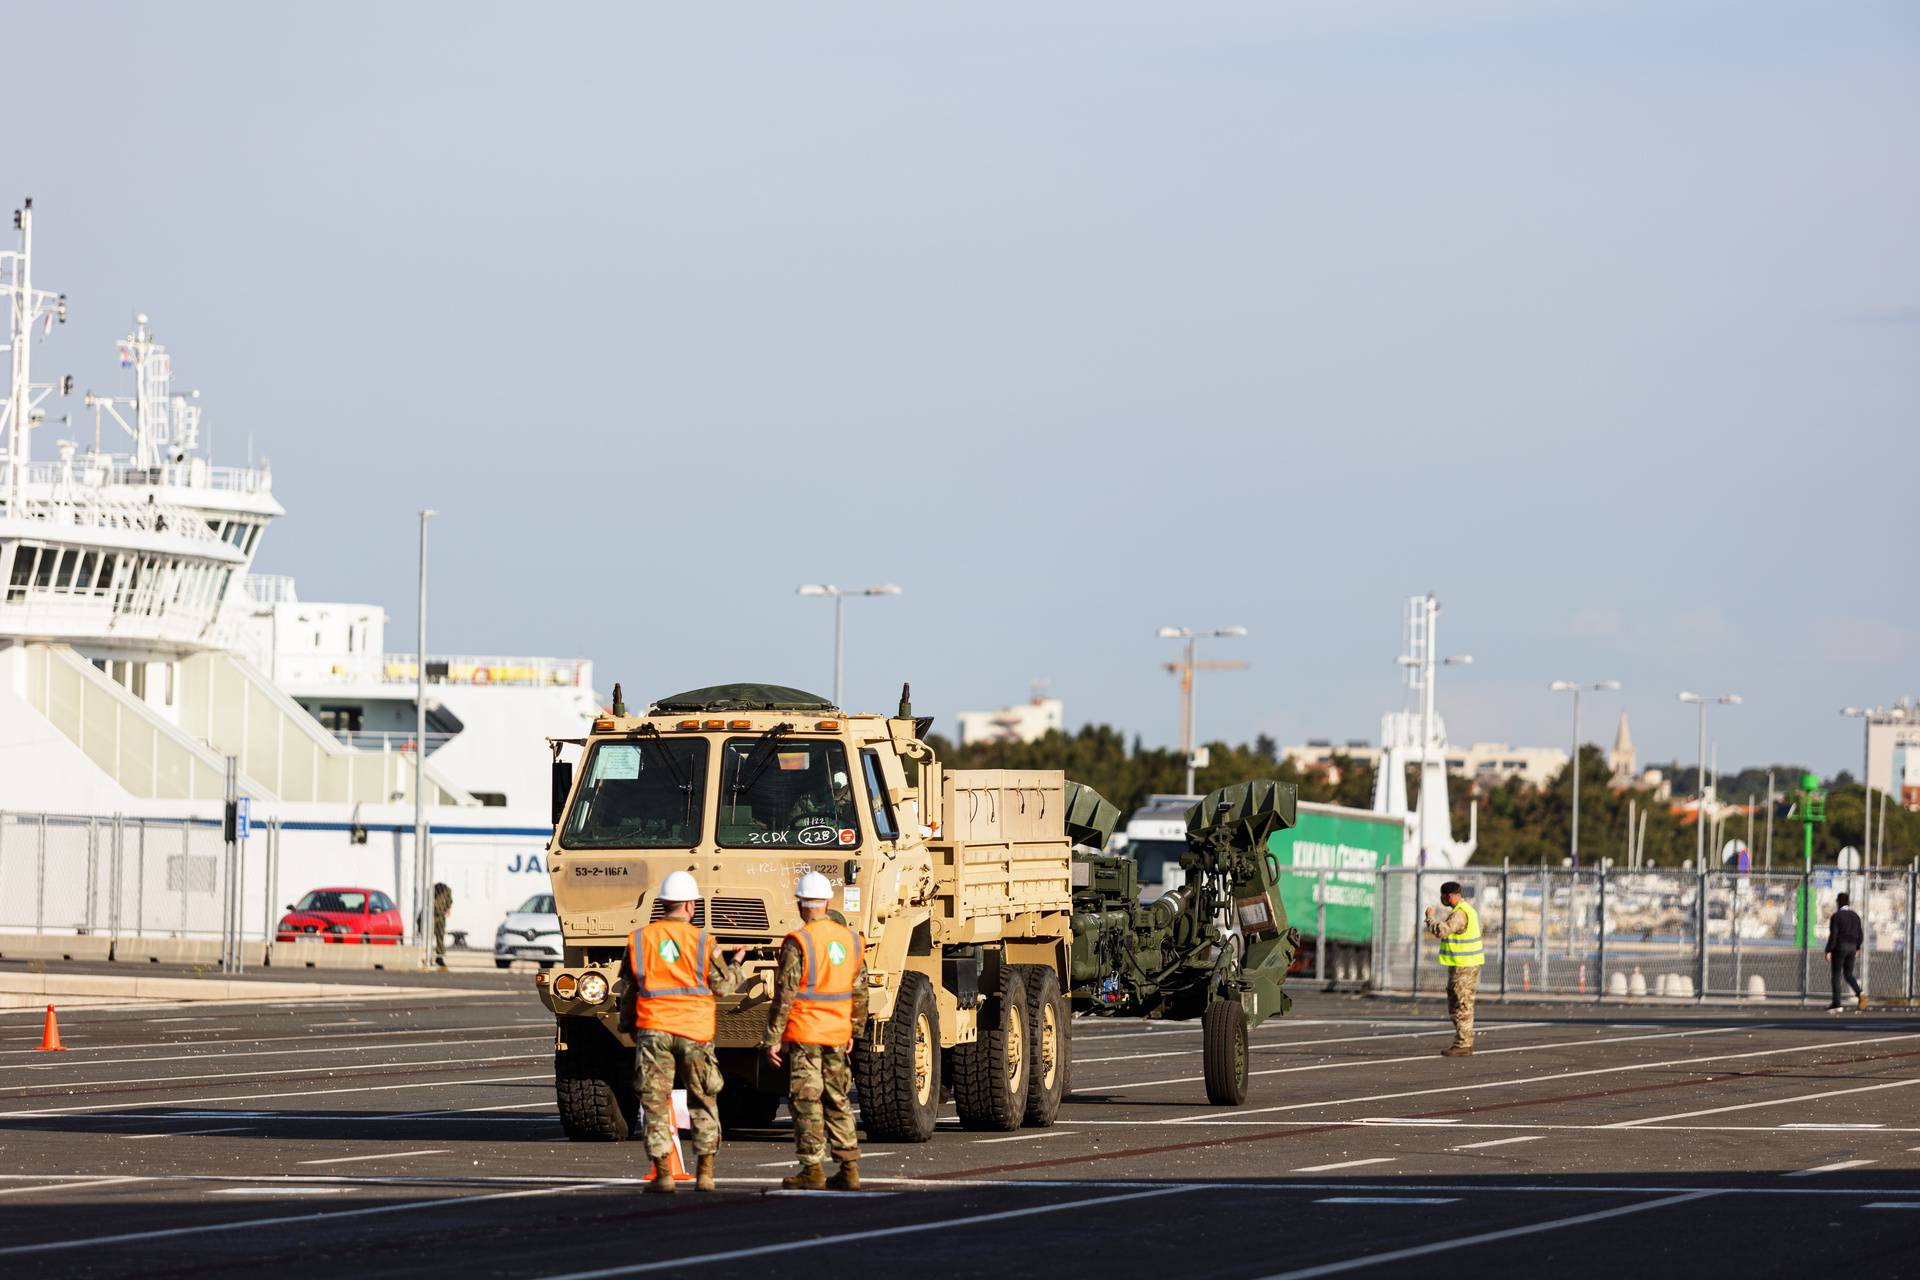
(1620, 759)
(1491, 763)
(1027, 722)
(1893, 751)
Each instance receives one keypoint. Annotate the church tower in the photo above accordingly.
(1621, 757)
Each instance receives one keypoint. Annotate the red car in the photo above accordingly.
(342, 915)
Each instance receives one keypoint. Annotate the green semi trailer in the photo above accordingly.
(1334, 911)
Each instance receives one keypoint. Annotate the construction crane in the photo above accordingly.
(1185, 669)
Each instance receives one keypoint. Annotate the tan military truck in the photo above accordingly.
(959, 882)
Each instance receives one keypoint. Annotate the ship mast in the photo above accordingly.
(26, 307)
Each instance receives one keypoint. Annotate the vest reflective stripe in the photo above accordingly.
(672, 995)
(1463, 950)
(822, 1010)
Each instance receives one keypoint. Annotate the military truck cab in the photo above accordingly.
(957, 881)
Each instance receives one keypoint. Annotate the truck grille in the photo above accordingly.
(734, 1028)
(728, 913)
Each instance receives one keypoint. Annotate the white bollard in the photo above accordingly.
(1663, 985)
(1637, 984)
(1756, 987)
(1617, 984)
(1683, 986)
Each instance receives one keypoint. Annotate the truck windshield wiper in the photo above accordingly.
(762, 757)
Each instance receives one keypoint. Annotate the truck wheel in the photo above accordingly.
(744, 1107)
(593, 1085)
(990, 1075)
(900, 1086)
(1223, 1047)
(1050, 1055)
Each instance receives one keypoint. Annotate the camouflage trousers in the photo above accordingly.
(1463, 983)
(820, 1095)
(660, 1057)
(439, 936)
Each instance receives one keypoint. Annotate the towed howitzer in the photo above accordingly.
(1216, 948)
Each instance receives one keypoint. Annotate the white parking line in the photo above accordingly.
(1345, 1164)
(1835, 1167)
(385, 1155)
(66, 1184)
(184, 1133)
(331, 1035)
(279, 1191)
(1388, 1200)
(851, 1237)
(286, 1093)
(258, 1053)
(1769, 1102)
(1023, 1137)
(1498, 1142)
(1265, 1046)
(1437, 1248)
(1892, 1204)
(361, 1069)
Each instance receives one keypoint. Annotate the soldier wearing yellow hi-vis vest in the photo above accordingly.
(1461, 952)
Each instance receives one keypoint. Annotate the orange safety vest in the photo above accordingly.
(669, 959)
(822, 1010)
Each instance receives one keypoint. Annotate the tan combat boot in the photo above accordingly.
(848, 1179)
(810, 1178)
(1458, 1050)
(703, 1174)
(661, 1183)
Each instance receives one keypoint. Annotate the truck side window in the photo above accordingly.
(884, 824)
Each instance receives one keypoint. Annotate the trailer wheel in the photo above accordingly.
(990, 1075)
(900, 1087)
(1050, 1057)
(1223, 1041)
(593, 1085)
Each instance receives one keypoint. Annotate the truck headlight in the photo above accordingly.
(593, 988)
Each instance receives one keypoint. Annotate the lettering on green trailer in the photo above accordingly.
(1350, 849)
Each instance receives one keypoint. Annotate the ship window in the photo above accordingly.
(642, 794)
(22, 570)
(44, 578)
(83, 577)
(103, 583)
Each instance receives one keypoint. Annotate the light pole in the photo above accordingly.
(840, 621)
(1867, 715)
(1700, 818)
(1575, 687)
(422, 859)
(1185, 668)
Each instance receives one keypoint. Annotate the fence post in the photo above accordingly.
(140, 887)
(1546, 901)
(1601, 977)
(1866, 928)
(186, 858)
(1805, 909)
(1419, 896)
(1913, 925)
(1506, 919)
(93, 876)
(1320, 930)
(1700, 929)
(114, 879)
(40, 882)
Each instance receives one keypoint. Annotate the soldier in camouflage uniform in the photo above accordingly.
(673, 1030)
(442, 903)
(819, 1003)
(1462, 957)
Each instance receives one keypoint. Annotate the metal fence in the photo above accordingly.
(1674, 933)
(123, 877)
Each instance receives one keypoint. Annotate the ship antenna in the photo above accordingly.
(28, 307)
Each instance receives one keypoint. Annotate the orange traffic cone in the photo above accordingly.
(50, 1038)
(677, 1164)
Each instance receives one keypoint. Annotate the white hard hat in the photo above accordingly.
(813, 887)
(679, 887)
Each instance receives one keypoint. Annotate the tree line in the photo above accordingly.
(1524, 824)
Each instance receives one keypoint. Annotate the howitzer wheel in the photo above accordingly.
(1223, 1044)
(900, 1086)
(1050, 1045)
(990, 1075)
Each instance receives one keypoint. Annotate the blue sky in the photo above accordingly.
(1598, 320)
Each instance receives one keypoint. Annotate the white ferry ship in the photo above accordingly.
(138, 651)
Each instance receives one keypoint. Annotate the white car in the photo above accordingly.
(530, 933)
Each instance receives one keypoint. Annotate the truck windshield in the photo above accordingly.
(790, 792)
(644, 794)
(1154, 857)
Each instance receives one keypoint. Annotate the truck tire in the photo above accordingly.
(900, 1087)
(1223, 1048)
(593, 1085)
(744, 1107)
(990, 1075)
(1050, 1052)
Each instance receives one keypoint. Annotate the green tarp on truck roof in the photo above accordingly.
(742, 697)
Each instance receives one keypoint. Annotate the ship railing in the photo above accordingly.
(390, 741)
(103, 470)
(484, 669)
(271, 588)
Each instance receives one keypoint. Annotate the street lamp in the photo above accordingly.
(1185, 668)
(840, 620)
(1869, 715)
(422, 855)
(1575, 687)
(1700, 817)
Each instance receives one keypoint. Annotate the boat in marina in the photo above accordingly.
(139, 652)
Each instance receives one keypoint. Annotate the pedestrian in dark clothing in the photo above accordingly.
(1844, 940)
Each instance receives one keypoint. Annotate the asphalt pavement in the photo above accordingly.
(400, 1137)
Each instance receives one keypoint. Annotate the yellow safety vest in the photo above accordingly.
(1462, 950)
